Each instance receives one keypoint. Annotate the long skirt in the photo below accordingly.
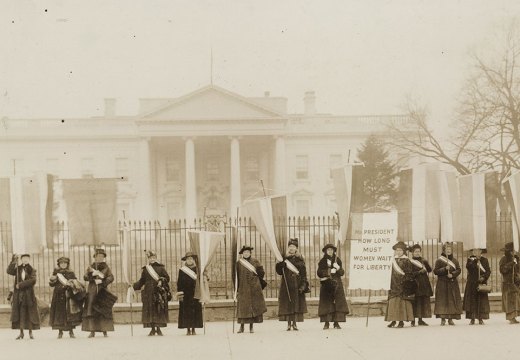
(398, 309)
(510, 301)
(97, 324)
(334, 317)
(25, 319)
(298, 317)
(422, 307)
(251, 320)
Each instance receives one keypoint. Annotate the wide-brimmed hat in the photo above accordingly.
(508, 247)
(445, 245)
(482, 250)
(25, 255)
(293, 241)
(63, 259)
(415, 246)
(244, 248)
(329, 246)
(100, 251)
(188, 254)
(400, 245)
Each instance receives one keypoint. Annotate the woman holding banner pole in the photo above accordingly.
(293, 287)
(333, 303)
(190, 309)
(421, 304)
(510, 270)
(399, 306)
(476, 303)
(448, 303)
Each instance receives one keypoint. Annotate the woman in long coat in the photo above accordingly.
(65, 312)
(24, 314)
(448, 303)
(510, 270)
(250, 277)
(155, 280)
(399, 308)
(190, 309)
(420, 269)
(97, 313)
(333, 303)
(476, 304)
(293, 286)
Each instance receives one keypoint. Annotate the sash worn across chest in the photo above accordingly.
(417, 263)
(152, 272)
(447, 261)
(291, 267)
(189, 272)
(396, 267)
(61, 279)
(248, 266)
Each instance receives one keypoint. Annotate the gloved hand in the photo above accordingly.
(333, 271)
(336, 266)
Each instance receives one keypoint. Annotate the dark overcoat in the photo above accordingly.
(24, 312)
(96, 315)
(332, 293)
(66, 311)
(155, 305)
(251, 302)
(447, 292)
(398, 282)
(476, 304)
(424, 287)
(510, 285)
(296, 284)
(190, 309)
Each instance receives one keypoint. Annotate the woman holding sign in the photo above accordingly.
(399, 306)
(421, 304)
(293, 287)
(155, 295)
(476, 302)
(333, 304)
(448, 303)
(251, 303)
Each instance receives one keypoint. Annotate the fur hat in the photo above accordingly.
(244, 248)
(293, 241)
(100, 251)
(414, 246)
(400, 245)
(63, 259)
(508, 247)
(329, 246)
(189, 254)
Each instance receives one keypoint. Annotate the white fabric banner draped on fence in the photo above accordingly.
(371, 256)
(261, 213)
(204, 244)
(449, 206)
(512, 189)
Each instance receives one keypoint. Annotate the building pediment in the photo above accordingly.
(210, 102)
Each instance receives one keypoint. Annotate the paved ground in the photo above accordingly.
(497, 339)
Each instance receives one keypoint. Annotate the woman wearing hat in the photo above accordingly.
(475, 303)
(97, 314)
(293, 287)
(510, 270)
(420, 269)
(398, 307)
(333, 303)
(190, 309)
(65, 312)
(448, 303)
(250, 277)
(155, 280)
(24, 313)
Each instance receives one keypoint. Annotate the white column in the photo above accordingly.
(145, 209)
(279, 165)
(235, 179)
(191, 181)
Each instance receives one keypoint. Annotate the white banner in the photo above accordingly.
(371, 256)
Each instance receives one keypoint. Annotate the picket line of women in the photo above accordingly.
(409, 296)
(410, 288)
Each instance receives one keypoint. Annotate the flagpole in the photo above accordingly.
(128, 270)
(368, 306)
(235, 285)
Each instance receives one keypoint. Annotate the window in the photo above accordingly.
(87, 167)
(122, 168)
(52, 166)
(252, 169)
(173, 169)
(212, 170)
(302, 167)
(302, 207)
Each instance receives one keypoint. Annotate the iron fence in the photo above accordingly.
(171, 242)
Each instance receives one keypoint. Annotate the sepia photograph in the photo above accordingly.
(232, 179)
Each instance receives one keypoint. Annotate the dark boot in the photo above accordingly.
(422, 323)
(193, 331)
(188, 331)
(152, 332)
(512, 321)
(20, 337)
(158, 331)
(450, 322)
(92, 334)
(401, 324)
(336, 325)
(241, 330)
(391, 325)
(326, 326)
(31, 335)
(412, 323)
(443, 322)
(105, 334)
(472, 322)
(481, 322)
(288, 326)
(251, 328)
(294, 327)
(60, 334)
(71, 334)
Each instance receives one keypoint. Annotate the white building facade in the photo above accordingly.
(202, 153)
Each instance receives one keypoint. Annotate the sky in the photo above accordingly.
(61, 58)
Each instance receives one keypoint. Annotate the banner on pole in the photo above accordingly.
(371, 253)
